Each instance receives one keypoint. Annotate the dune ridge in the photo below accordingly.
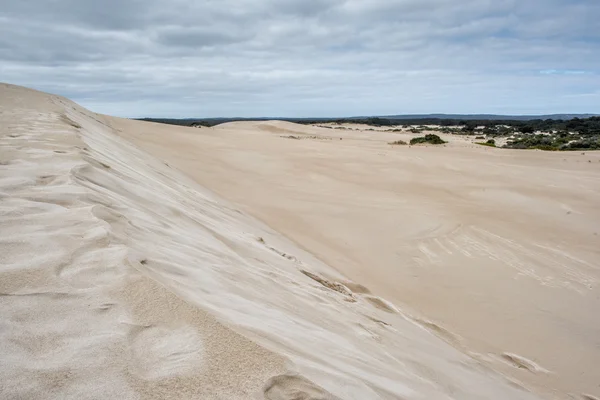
(81, 317)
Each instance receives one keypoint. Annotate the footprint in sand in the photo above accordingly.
(162, 352)
(44, 180)
(335, 286)
(284, 255)
(381, 304)
(356, 287)
(439, 331)
(295, 387)
(521, 362)
(586, 396)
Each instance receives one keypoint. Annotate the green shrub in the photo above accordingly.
(490, 143)
(398, 142)
(430, 138)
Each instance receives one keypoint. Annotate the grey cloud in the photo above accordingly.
(303, 57)
(105, 14)
(197, 37)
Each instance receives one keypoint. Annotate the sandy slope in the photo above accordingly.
(122, 277)
(498, 249)
(84, 313)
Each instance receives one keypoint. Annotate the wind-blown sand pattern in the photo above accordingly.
(122, 275)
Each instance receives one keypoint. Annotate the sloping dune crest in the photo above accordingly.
(120, 277)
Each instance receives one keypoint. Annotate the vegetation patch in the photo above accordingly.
(556, 141)
(398, 143)
(490, 143)
(430, 138)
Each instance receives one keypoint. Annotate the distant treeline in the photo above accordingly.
(582, 126)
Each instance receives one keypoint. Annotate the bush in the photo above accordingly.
(584, 143)
(490, 143)
(398, 142)
(526, 129)
(430, 138)
(490, 130)
(557, 141)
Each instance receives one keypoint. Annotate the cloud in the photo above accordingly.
(306, 57)
(562, 72)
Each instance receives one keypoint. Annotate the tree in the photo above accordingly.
(526, 129)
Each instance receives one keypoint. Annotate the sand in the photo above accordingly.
(140, 260)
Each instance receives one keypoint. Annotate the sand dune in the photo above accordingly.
(497, 249)
(147, 261)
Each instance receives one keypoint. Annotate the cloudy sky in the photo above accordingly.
(201, 58)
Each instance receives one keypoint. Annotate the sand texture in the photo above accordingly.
(146, 261)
